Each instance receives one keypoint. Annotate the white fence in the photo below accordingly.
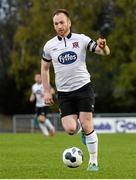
(28, 122)
(103, 123)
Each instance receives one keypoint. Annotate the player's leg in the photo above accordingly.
(41, 119)
(42, 126)
(86, 107)
(68, 112)
(50, 126)
(69, 124)
(79, 127)
(46, 122)
(44, 129)
(86, 120)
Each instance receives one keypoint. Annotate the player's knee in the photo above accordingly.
(70, 128)
(71, 131)
(41, 119)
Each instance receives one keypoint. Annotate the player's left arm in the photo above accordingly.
(32, 98)
(102, 48)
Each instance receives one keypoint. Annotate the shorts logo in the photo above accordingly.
(67, 57)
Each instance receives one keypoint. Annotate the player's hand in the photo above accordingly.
(101, 43)
(48, 99)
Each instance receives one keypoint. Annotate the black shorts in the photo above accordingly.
(42, 110)
(81, 100)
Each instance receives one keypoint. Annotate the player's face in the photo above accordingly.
(62, 24)
(38, 78)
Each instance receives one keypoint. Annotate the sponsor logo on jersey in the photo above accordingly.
(38, 92)
(67, 57)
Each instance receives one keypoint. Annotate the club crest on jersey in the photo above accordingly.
(75, 45)
(67, 57)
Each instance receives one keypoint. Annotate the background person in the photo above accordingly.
(41, 108)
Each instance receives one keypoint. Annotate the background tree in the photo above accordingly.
(36, 28)
(26, 25)
(123, 56)
(8, 24)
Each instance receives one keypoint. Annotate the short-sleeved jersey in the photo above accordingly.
(37, 90)
(68, 56)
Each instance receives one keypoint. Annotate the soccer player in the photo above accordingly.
(41, 108)
(67, 52)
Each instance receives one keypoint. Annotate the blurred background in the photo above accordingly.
(26, 25)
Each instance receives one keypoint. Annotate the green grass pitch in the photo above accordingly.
(33, 156)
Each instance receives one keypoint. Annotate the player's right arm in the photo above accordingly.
(102, 48)
(99, 47)
(48, 98)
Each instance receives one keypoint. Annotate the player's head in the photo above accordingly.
(61, 22)
(37, 78)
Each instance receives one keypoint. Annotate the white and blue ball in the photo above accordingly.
(72, 157)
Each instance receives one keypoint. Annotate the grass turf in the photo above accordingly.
(33, 156)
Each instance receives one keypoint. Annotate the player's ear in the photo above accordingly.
(69, 22)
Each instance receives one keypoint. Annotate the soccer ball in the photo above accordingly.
(72, 157)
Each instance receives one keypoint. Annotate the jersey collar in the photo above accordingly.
(68, 36)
